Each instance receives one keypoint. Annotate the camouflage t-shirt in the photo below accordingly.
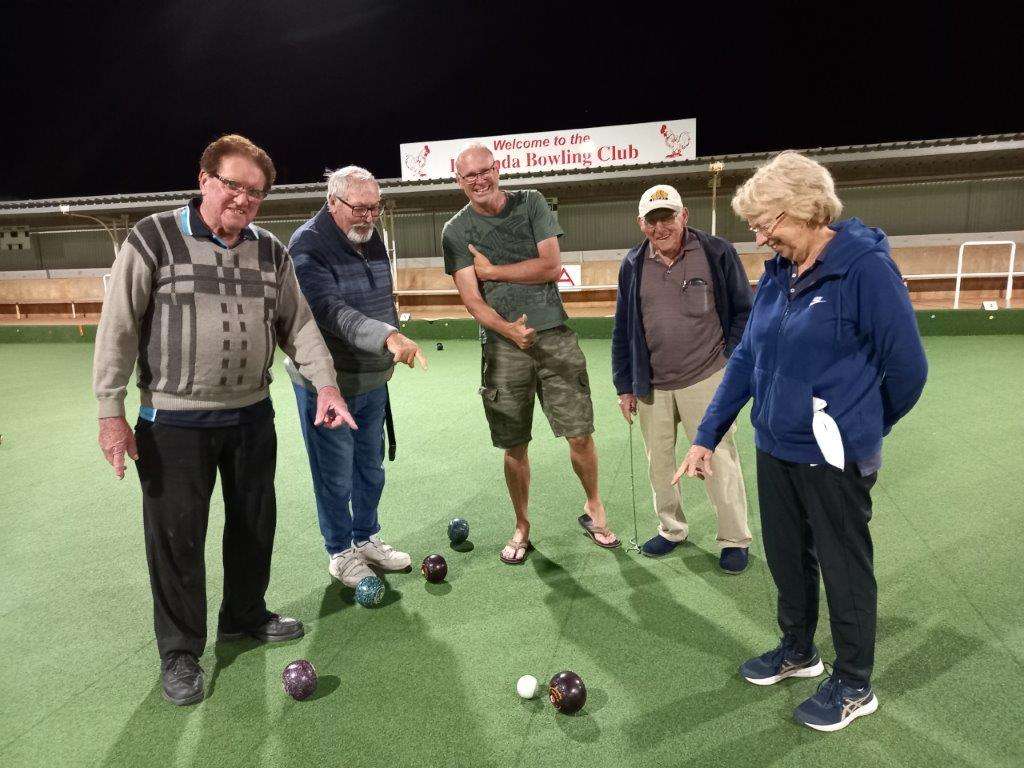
(508, 238)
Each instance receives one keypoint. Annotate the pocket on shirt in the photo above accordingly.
(696, 300)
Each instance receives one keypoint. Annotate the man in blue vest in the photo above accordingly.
(343, 269)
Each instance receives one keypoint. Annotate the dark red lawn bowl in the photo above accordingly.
(567, 692)
(434, 568)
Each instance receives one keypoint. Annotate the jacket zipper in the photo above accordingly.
(771, 385)
(366, 266)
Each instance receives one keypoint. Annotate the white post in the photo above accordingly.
(716, 169)
(960, 268)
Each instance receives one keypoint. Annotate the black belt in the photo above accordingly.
(389, 425)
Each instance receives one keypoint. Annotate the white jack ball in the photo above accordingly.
(526, 686)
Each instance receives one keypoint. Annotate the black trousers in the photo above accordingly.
(177, 468)
(816, 519)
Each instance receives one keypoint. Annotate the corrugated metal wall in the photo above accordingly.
(989, 205)
(80, 249)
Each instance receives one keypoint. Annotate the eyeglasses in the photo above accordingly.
(660, 216)
(361, 210)
(472, 178)
(236, 187)
(766, 231)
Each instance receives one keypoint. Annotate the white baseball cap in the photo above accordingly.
(660, 196)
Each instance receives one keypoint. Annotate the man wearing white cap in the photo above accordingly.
(682, 303)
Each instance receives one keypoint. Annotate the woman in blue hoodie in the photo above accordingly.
(832, 358)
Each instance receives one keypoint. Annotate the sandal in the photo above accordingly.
(517, 545)
(593, 531)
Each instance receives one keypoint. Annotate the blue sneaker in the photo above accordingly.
(658, 546)
(783, 662)
(835, 705)
(733, 560)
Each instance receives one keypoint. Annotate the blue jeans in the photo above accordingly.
(347, 467)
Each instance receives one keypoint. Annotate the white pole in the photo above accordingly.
(716, 169)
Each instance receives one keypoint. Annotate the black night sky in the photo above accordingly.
(114, 97)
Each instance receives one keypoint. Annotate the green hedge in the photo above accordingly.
(932, 322)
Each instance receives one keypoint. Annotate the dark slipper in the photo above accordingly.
(525, 546)
(588, 525)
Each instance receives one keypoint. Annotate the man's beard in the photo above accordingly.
(359, 237)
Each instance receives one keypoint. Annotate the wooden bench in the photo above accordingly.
(27, 296)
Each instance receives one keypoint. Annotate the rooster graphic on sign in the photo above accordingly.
(676, 142)
(417, 163)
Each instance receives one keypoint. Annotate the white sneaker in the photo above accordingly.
(349, 567)
(380, 555)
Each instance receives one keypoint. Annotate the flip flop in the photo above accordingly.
(526, 546)
(588, 525)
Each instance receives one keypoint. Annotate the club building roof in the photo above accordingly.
(977, 157)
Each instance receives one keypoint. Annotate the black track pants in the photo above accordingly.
(177, 468)
(815, 519)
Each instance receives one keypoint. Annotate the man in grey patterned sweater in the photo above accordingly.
(200, 298)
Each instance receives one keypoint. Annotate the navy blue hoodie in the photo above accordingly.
(847, 335)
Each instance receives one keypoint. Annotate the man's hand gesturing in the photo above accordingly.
(520, 335)
(405, 350)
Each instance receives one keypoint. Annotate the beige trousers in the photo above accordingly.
(660, 415)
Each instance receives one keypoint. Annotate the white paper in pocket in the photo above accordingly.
(826, 434)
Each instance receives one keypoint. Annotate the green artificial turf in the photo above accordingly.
(427, 678)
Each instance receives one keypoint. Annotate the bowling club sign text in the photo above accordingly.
(637, 144)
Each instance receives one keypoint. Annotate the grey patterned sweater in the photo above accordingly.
(201, 320)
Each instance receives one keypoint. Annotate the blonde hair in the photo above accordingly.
(793, 184)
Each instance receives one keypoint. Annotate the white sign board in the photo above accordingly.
(665, 141)
(571, 277)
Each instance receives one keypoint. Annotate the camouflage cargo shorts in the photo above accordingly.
(554, 369)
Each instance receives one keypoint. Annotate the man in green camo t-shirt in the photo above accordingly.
(502, 251)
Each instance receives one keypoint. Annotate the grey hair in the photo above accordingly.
(471, 146)
(338, 181)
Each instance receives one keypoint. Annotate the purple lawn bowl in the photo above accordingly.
(299, 679)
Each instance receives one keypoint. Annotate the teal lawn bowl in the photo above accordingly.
(369, 591)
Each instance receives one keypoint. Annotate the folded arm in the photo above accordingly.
(483, 313)
(546, 268)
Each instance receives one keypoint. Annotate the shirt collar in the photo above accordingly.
(690, 243)
(191, 223)
(819, 259)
